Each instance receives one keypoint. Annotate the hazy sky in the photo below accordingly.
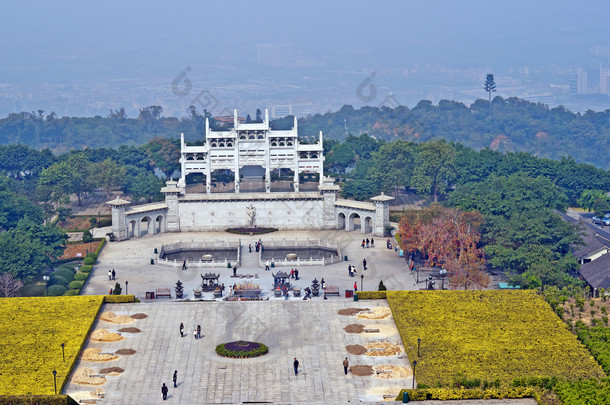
(79, 41)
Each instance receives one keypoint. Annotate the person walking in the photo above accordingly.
(195, 333)
(250, 247)
(164, 391)
(296, 366)
(355, 286)
(364, 263)
(234, 271)
(175, 378)
(362, 243)
(198, 331)
(109, 275)
(181, 329)
(367, 243)
(345, 365)
(372, 242)
(113, 274)
(184, 265)
(296, 274)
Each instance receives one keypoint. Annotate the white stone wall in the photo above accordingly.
(282, 214)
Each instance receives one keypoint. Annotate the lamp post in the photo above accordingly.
(414, 364)
(361, 282)
(418, 342)
(126, 285)
(443, 274)
(99, 213)
(46, 279)
(55, 380)
(63, 353)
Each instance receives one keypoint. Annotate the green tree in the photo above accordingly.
(434, 168)
(490, 87)
(601, 206)
(340, 157)
(67, 177)
(394, 164)
(589, 197)
(21, 256)
(164, 154)
(117, 289)
(141, 184)
(108, 175)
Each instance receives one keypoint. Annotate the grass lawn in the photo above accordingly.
(487, 335)
(31, 332)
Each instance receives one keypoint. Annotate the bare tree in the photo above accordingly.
(9, 285)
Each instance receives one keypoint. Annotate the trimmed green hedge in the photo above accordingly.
(56, 290)
(92, 255)
(89, 261)
(444, 394)
(81, 276)
(58, 280)
(247, 231)
(86, 268)
(67, 274)
(37, 400)
(119, 299)
(71, 292)
(371, 295)
(69, 267)
(234, 354)
(75, 285)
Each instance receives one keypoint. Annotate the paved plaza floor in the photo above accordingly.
(131, 261)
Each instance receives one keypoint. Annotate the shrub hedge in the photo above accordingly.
(75, 285)
(86, 268)
(69, 267)
(445, 394)
(37, 400)
(56, 290)
(371, 295)
(71, 293)
(221, 350)
(58, 280)
(81, 276)
(67, 274)
(247, 231)
(92, 255)
(119, 299)
(89, 261)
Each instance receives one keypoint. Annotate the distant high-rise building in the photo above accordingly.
(298, 110)
(603, 79)
(578, 81)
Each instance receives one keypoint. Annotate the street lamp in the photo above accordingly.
(46, 279)
(55, 380)
(418, 342)
(63, 353)
(414, 364)
(126, 285)
(361, 282)
(443, 274)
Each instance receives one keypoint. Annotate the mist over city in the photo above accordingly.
(84, 59)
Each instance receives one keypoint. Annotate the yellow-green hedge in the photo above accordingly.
(119, 299)
(31, 332)
(445, 394)
(371, 295)
(487, 335)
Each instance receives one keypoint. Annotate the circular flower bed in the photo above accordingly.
(241, 349)
(247, 231)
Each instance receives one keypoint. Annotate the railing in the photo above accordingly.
(197, 245)
(296, 243)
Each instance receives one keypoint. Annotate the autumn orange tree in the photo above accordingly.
(451, 237)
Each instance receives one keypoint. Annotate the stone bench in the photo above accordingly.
(331, 291)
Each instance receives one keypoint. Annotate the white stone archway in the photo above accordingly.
(340, 221)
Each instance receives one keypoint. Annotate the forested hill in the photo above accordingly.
(514, 125)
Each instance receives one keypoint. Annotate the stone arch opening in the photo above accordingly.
(146, 226)
(223, 181)
(159, 224)
(282, 180)
(132, 229)
(195, 183)
(340, 221)
(367, 225)
(354, 222)
(251, 179)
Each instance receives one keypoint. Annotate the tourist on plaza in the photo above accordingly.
(195, 333)
(181, 330)
(349, 269)
(113, 274)
(367, 243)
(296, 366)
(109, 275)
(291, 273)
(222, 289)
(363, 243)
(250, 247)
(234, 271)
(267, 265)
(355, 286)
(364, 263)
(198, 331)
(323, 284)
(389, 244)
(296, 274)
(110, 292)
(372, 242)
(175, 378)
(184, 265)
(164, 391)
(345, 365)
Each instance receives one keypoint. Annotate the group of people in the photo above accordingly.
(258, 246)
(196, 331)
(111, 275)
(294, 274)
(165, 390)
(366, 243)
(351, 270)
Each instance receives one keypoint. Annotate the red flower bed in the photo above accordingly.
(75, 223)
(74, 250)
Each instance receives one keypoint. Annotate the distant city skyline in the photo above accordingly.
(85, 59)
